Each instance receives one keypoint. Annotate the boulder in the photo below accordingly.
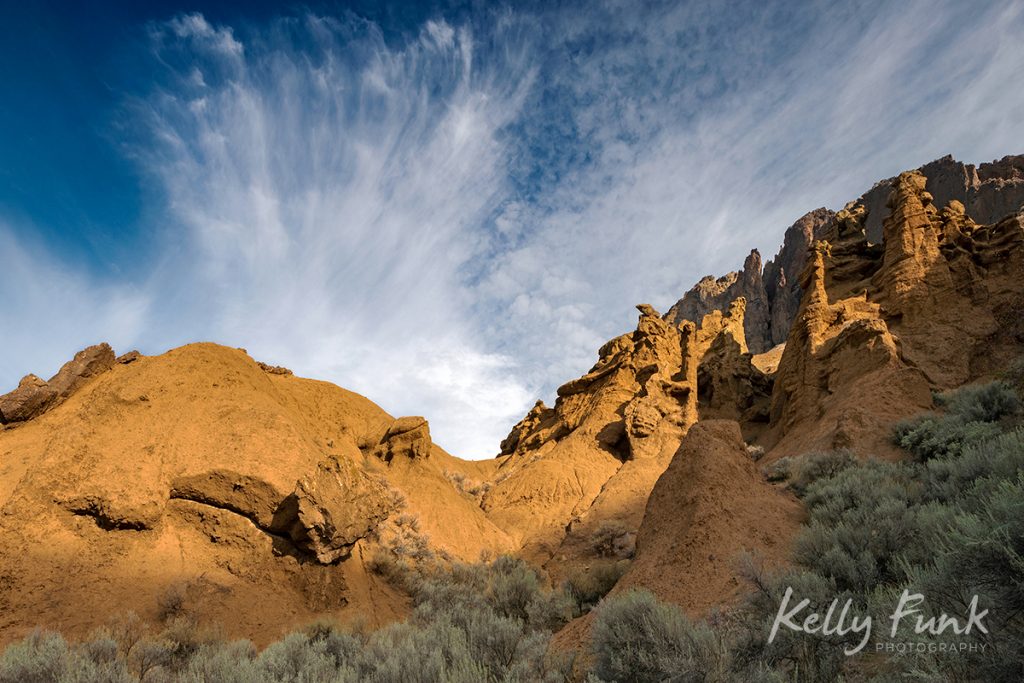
(32, 397)
(407, 437)
(334, 507)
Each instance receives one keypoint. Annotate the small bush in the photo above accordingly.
(933, 437)
(172, 603)
(780, 470)
(40, 658)
(982, 402)
(972, 416)
(807, 469)
(639, 639)
(297, 659)
(980, 467)
(470, 487)
(1014, 375)
(612, 539)
(587, 587)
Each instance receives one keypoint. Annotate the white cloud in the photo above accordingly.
(686, 183)
(328, 205)
(196, 27)
(453, 224)
(50, 311)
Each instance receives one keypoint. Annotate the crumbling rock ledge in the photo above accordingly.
(33, 397)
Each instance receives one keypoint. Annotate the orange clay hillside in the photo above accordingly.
(203, 479)
(256, 495)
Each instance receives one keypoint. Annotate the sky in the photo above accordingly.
(448, 207)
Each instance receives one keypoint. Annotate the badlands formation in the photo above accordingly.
(261, 500)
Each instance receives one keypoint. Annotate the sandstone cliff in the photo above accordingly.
(881, 327)
(596, 454)
(987, 192)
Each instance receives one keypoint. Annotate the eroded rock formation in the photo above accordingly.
(199, 471)
(882, 326)
(772, 293)
(988, 191)
(729, 386)
(605, 441)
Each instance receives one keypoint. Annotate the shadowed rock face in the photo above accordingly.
(988, 192)
(772, 292)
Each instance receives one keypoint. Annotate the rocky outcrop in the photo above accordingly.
(842, 377)
(880, 327)
(334, 507)
(654, 368)
(330, 508)
(197, 467)
(729, 386)
(712, 294)
(782, 274)
(33, 397)
(408, 437)
(772, 293)
(988, 192)
(274, 369)
(600, 448)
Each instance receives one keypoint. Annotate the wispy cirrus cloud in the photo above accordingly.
(327, 190)
(746, 125)
(451, 220)
(51, 310)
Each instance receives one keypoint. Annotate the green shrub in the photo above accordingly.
(587, 587)
(780, 470)
(795, 657)
(807, 469)
(40, 658)
(979, 467)
(229, 663)
(982, 402)
(932, 437)
(297, 659)
(1014, 375)
(972, 416)
(639, 639)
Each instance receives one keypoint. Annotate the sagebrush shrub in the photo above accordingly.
(40, 658)
(982, 402)
(640, 639)
(610, 539)
(972, 416)
(807, 469)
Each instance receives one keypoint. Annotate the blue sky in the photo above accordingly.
(448, 207)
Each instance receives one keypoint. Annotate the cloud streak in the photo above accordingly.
(452, 221)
